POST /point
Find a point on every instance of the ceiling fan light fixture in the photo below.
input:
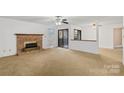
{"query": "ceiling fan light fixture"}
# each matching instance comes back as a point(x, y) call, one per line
point(58, 23)
point(60, 20)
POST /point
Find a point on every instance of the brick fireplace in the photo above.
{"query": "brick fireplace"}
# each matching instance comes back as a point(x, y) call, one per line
point(28, 42)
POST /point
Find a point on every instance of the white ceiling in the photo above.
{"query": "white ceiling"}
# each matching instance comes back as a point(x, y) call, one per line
point(79, 20)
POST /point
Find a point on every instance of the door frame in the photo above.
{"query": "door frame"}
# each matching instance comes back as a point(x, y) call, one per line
point(67, 37)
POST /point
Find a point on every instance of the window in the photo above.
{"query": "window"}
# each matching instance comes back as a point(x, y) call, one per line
point(77, 34)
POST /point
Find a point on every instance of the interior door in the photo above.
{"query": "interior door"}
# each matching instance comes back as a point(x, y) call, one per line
point(63, 38)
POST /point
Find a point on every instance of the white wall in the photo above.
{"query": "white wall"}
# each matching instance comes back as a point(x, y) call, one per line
point(106, 35)
point(89, 33)
point(52, 37)
point(86, 46)
point(8, 29)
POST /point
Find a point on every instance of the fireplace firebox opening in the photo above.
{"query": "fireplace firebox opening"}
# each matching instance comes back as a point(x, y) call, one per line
point(32, 44)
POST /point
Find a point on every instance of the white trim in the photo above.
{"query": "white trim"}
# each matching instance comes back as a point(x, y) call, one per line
point(118, 46)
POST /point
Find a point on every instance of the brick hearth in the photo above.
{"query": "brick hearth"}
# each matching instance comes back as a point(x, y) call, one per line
point(22, 38)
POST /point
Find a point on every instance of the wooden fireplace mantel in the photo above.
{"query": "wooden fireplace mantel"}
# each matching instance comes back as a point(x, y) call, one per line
point(29, 34)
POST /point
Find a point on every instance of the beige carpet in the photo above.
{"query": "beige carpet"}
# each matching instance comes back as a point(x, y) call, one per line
point(63, 62)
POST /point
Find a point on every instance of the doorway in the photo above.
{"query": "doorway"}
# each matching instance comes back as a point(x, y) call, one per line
point(117, 37)
point(63, 38)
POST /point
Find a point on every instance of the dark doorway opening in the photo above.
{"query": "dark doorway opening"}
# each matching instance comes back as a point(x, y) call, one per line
point(63, 35)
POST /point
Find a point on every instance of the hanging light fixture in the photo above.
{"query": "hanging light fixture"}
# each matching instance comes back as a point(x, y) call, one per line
point(60, 20)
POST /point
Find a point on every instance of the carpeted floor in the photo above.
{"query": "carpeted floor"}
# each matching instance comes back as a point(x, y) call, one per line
point(63, 62)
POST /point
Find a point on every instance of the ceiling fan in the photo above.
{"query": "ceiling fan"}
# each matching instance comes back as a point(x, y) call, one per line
point(61, 20)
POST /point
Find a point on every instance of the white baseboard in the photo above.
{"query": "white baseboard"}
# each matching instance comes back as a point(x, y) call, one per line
point(118, 46)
